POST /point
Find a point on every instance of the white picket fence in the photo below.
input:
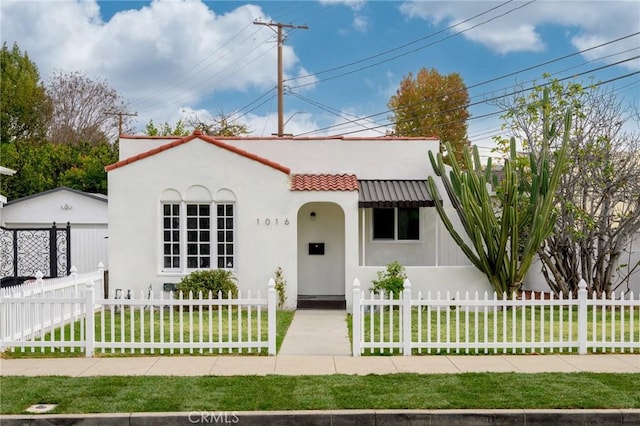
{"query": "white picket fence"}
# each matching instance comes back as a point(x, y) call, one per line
point(29, 310)
point(464, 323)
point(32, 320)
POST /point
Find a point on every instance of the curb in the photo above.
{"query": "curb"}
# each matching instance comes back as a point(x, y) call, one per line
point(341, 417)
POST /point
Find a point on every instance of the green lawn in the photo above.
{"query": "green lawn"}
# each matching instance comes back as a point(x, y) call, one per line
point(520, 325)
point(119, 327)
point(398, 391)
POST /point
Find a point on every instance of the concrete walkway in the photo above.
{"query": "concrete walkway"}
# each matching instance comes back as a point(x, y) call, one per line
point(317, 365)
point(317, 332)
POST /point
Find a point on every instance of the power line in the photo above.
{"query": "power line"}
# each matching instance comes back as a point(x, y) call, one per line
point(395, 49)
point(416, 49)
point(331, 110)
point(280, 26)
point(504, 76)
point(484, 100)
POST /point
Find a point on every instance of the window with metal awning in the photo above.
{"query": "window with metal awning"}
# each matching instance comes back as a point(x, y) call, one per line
point(393, 193)
point(395, 207)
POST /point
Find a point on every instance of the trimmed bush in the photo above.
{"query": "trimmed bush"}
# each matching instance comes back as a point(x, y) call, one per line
point(391, 280)
point(214, 280)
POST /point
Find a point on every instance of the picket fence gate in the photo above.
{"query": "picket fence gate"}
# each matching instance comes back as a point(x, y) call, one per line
point(72, 318)
point(464, 323)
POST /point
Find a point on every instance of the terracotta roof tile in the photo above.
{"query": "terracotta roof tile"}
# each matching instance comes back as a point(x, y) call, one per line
point(198, 135)
point(324, 182)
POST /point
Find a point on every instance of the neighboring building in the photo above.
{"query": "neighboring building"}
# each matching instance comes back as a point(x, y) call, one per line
point(325, 210)
point(86, 213)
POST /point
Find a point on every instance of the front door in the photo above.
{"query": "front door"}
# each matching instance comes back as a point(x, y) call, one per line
point(321, 255)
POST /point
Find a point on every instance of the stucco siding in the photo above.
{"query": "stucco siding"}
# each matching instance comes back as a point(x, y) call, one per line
point(368, 159)
point(262, 196)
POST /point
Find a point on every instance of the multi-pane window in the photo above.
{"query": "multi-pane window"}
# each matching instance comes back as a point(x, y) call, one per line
point(225, 230)
point(207, 240)
point(198, 236)
point(402, 223)
point(171, 236)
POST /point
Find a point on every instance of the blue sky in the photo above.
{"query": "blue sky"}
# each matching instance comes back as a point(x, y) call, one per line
point(171, 58)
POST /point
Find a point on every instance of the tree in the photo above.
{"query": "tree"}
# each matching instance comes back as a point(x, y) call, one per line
point(84, 110)
point(25, 108)
point(42, 166)
point(599, 195)
point(504, 231)
point(221, 125)
point(166, 129)
point(432, 105)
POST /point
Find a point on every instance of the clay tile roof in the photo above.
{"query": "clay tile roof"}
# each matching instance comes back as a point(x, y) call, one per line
point(324, 182)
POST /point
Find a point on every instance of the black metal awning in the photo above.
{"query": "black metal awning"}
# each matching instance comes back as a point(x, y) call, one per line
point(393, 193)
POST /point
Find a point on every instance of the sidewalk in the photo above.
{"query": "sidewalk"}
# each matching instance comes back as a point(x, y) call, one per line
point(318, 365)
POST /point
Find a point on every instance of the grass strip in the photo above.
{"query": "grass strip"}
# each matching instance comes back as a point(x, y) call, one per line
point(249, 393)
point(283, 321)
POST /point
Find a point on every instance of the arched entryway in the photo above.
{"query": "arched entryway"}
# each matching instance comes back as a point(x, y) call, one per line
point(321, 256)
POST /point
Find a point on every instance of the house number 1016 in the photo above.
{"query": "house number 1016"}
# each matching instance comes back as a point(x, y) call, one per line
point(268, 221)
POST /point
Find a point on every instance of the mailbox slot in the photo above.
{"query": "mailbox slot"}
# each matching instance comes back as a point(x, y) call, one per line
point(316, 248)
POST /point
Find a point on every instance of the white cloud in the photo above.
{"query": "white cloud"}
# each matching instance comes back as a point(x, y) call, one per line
point(352, 4)
point(360, 23)
point(590, 22)
point(165, 54)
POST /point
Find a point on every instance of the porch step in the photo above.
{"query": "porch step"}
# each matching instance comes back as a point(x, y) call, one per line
point(322, 302)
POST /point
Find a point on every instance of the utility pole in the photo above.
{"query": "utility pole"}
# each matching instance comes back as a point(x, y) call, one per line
point(120, 114)
point(280, 26)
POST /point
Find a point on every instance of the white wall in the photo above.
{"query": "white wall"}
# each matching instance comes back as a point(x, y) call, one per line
point(368, 159)
point(267, 212)
point(262, 193)
point(132, 145)
point(60, 206)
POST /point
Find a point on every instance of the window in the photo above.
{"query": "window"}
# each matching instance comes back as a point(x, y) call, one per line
point(198, 236)
point(402, 223)
point(202, 235)
point(171, 235)
point(225, 236)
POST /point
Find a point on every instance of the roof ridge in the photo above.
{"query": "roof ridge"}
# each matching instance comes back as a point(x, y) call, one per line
point(208, 139)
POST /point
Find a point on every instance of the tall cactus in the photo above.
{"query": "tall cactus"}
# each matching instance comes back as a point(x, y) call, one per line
point(504, 230)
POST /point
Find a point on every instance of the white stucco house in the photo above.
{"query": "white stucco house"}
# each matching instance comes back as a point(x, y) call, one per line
point(326, 210)
point(85, 213)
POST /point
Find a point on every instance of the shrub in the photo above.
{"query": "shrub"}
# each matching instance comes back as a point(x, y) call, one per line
point(391, 280)
point(214, 280)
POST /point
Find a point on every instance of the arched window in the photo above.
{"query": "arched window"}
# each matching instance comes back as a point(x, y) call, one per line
point(198, 232)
